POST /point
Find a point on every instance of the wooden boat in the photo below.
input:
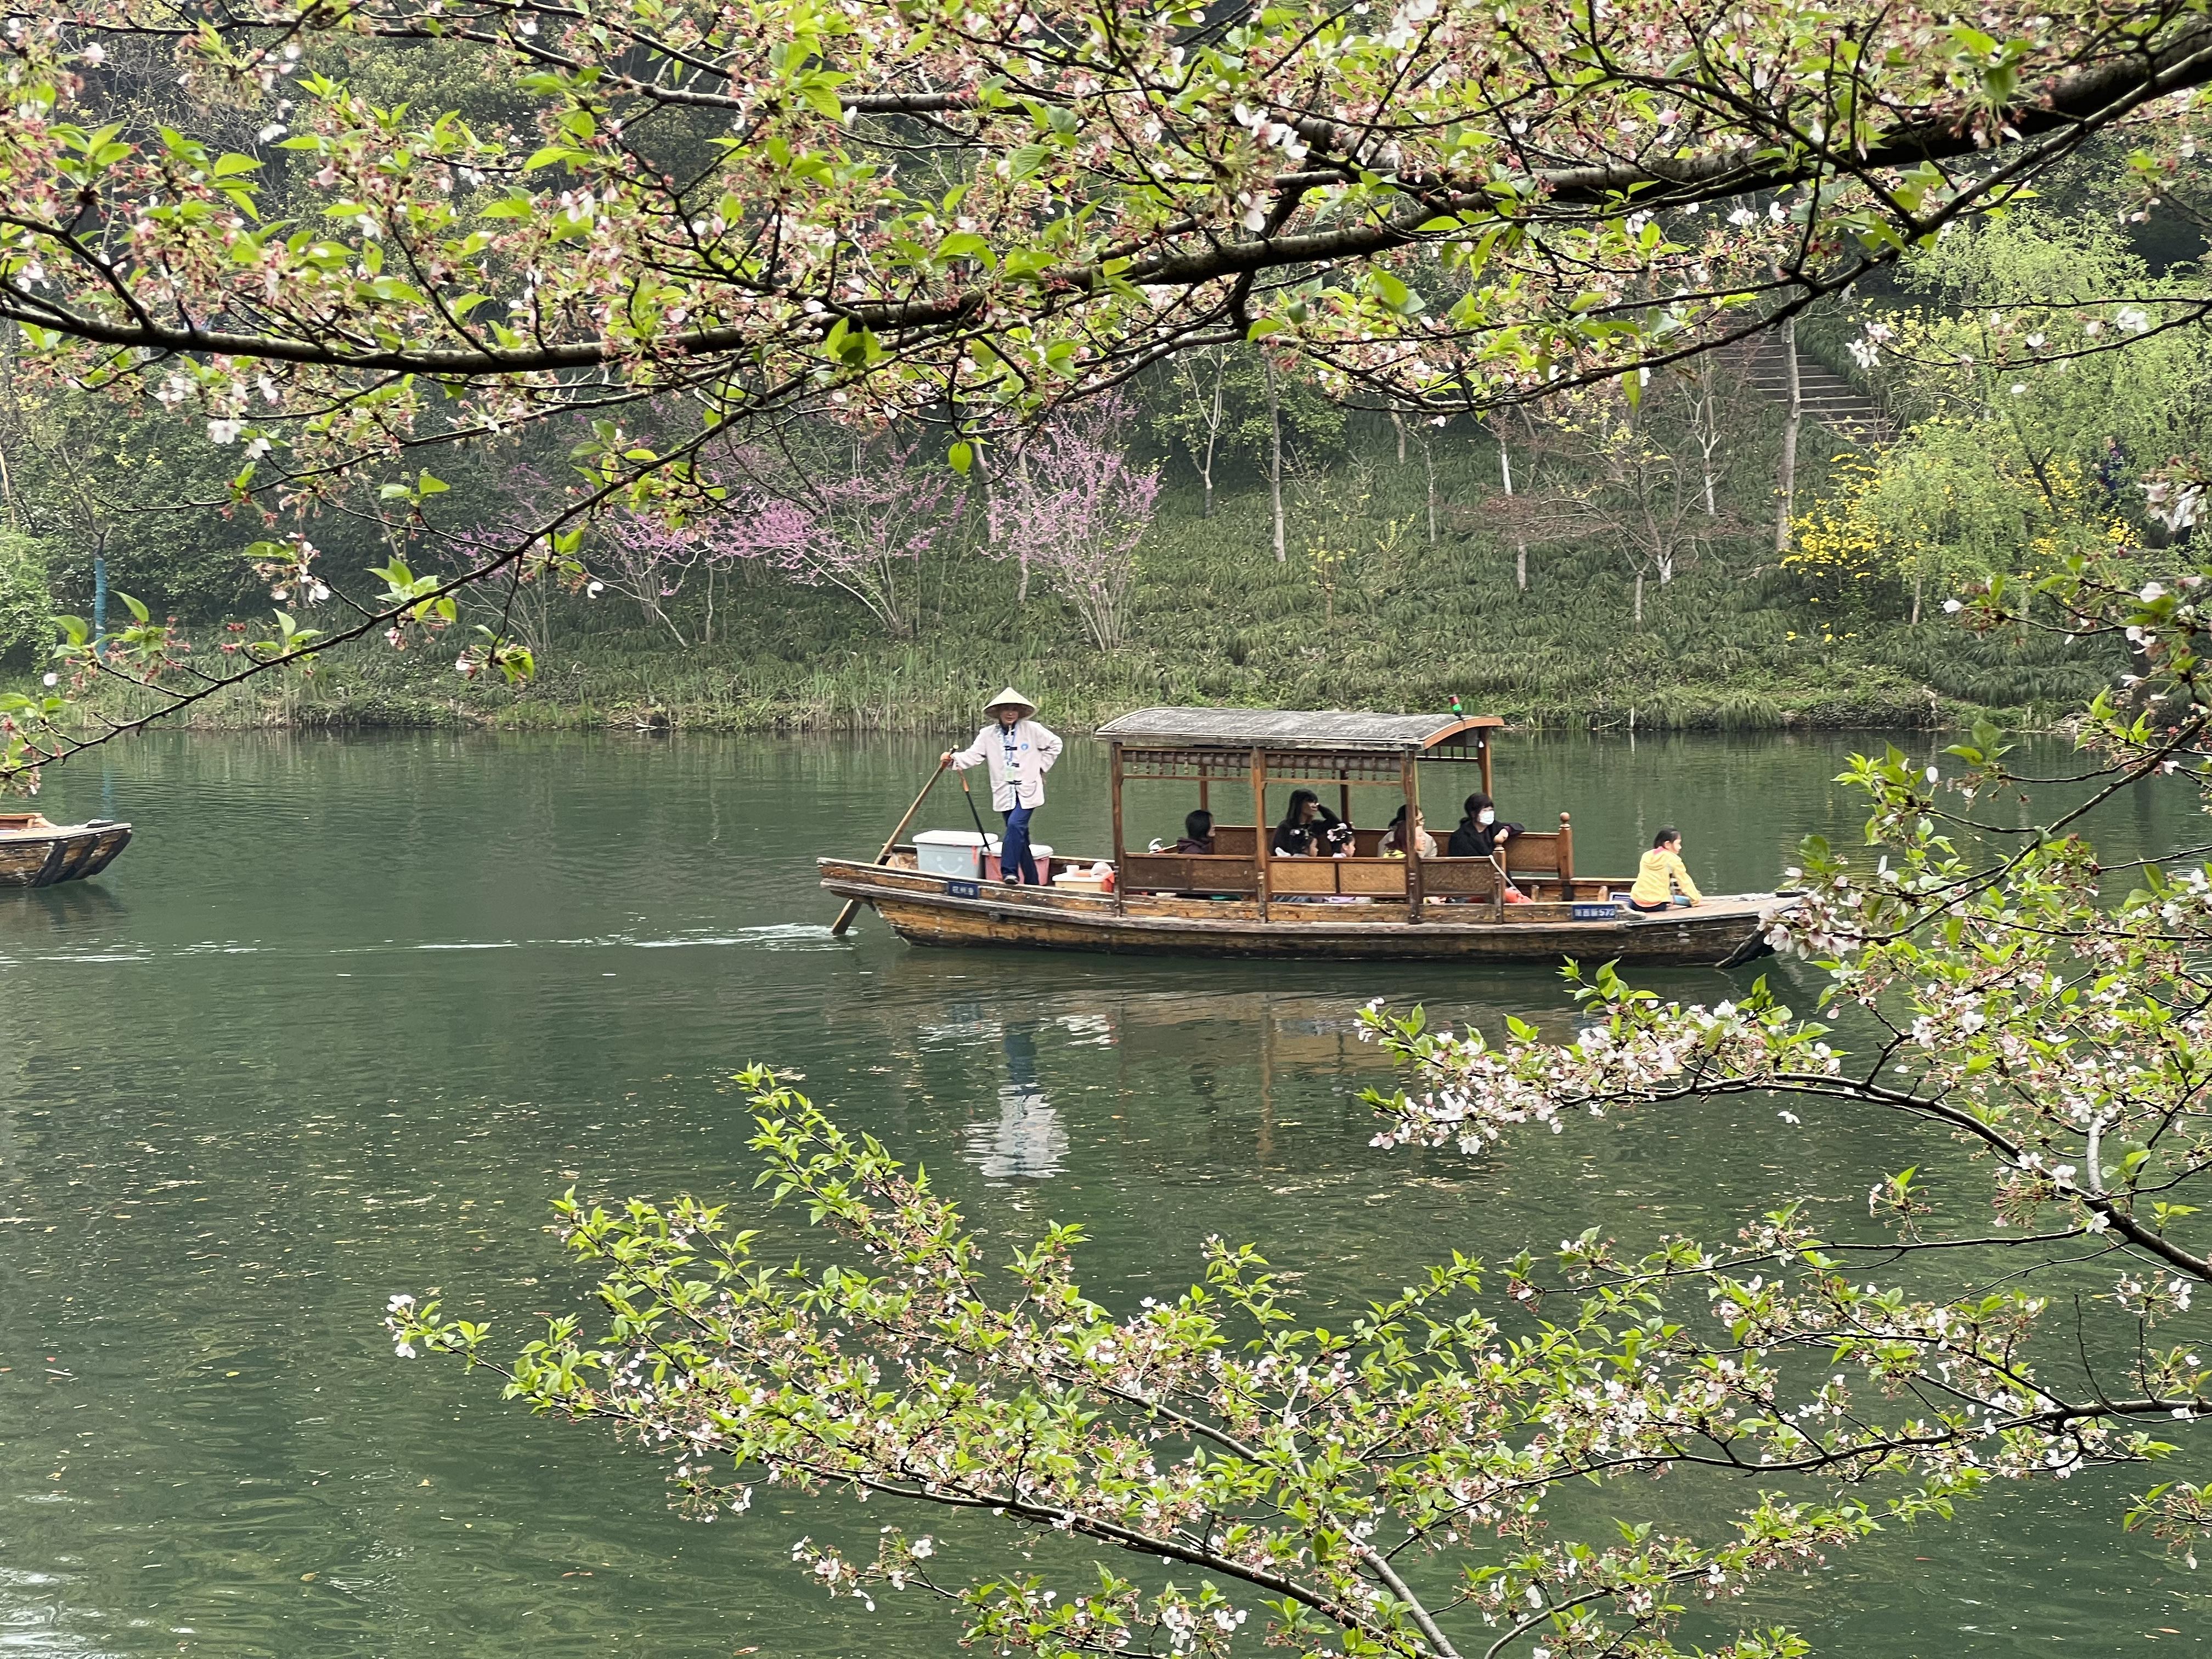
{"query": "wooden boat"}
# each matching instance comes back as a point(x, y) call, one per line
point(1246, 901)
point(1243, 901)
point(34, 853)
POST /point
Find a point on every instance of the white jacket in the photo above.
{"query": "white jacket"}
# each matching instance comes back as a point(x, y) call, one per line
point(1019, 761)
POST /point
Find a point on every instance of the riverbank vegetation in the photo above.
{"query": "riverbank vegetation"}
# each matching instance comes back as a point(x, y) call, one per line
point(1593, 565)
point(605, 481)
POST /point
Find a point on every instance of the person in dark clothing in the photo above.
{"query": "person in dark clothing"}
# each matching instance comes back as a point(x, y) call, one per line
point(1310, 830)
point(1197, 832)
point(2112, 468)
point(1479, 834)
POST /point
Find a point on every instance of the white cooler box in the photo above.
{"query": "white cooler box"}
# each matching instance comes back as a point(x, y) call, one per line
point(956, 853)
point(966, 856)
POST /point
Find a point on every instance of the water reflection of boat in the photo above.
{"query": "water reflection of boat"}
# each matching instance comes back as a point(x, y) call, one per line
point(1242, 900)
point(34, 853)
point(1028, 1141)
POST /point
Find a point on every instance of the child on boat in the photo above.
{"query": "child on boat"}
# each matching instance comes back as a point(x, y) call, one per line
point(1661, 880)
point(1308, 829)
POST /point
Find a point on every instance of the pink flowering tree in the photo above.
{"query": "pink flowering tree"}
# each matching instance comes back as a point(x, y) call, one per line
point(1072, 507)
point(857, 517)
point(649, 560)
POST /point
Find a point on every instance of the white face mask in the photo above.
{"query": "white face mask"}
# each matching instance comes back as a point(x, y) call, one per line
point(1486, 816)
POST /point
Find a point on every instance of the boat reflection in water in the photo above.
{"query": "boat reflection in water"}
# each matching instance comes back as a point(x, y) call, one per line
point(1028, 1142)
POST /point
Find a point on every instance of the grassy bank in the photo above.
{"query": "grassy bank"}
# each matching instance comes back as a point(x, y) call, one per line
point(1734, 642)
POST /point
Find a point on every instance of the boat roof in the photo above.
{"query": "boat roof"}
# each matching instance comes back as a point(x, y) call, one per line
point(1293, 728)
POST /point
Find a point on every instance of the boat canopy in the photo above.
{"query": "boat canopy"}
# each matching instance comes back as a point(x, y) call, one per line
point(1436, 737)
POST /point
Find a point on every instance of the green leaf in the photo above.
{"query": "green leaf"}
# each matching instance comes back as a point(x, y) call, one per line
point(962, 455)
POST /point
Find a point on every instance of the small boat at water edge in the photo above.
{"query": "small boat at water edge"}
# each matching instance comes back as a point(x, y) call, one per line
point(1528, 904)
point(35, 853)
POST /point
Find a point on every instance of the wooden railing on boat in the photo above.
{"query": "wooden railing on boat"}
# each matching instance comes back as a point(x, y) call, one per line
point(1540, 864)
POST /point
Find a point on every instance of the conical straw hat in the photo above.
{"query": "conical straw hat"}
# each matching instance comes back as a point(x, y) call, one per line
point(1010, 696)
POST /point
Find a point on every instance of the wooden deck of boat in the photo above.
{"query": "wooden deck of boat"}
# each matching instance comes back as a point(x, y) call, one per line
point(930, 909)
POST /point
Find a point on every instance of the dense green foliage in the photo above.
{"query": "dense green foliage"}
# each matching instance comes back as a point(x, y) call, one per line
point(24, 603)
point(2020, 440)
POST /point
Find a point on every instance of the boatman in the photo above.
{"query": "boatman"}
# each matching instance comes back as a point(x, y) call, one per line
point(1019, 752)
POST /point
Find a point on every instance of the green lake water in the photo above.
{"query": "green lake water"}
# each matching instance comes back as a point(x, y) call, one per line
point(348, 1010)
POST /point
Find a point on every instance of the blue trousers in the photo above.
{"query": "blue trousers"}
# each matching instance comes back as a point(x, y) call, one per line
point(1014, 850)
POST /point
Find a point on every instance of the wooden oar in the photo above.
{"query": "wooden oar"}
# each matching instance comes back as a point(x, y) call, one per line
point(852, 906)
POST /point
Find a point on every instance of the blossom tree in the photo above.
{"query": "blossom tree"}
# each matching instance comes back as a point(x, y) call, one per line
point(1075, 509)
point(2049, 1015)
point(736, 212)
point(857, 517)
point(1225, 1477)
point(648, 559)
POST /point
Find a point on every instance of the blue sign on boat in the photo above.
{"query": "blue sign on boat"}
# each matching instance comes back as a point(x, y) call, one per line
point(963, 889)
point(1597, 913)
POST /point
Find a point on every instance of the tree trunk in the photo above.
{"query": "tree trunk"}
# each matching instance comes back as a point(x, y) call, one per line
point(1639, 599)
point(1918, 577)
point(1275, 457)
point(8, 378)
point(1216, 418)
point(1521, 547)
point(1429, 465)
point(1788, 480)
point(1398, 421)
point(1021, 590)
point(1708, 430)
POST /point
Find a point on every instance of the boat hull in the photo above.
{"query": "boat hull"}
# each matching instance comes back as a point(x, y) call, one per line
point(45, 854)
point(926, 909)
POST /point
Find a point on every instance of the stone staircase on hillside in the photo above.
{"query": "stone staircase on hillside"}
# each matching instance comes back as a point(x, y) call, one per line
point(1824, 395)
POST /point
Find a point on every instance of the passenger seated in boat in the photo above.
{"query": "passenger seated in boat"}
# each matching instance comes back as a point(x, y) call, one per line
point(1197, 832)
point(1661, 880)
point(1310, 830)
point(1479, 834)
point(1393, 844)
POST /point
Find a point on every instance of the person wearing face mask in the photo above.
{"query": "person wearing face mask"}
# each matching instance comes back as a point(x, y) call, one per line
point(1479, 834)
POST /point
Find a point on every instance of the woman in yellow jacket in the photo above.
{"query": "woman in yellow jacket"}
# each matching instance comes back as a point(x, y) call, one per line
point(1661, 880)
